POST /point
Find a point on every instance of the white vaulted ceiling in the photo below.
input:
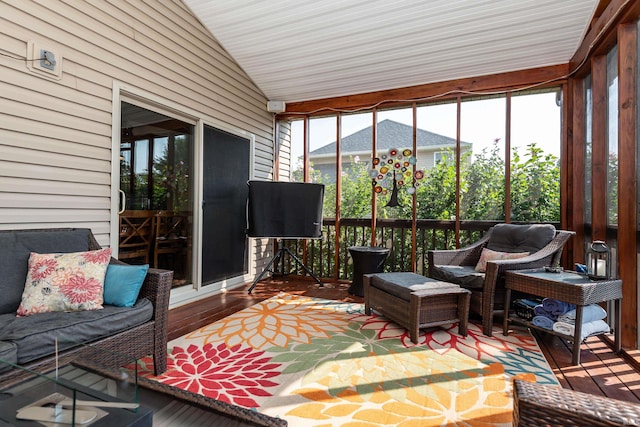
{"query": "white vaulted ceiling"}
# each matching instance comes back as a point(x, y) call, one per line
point(298, 50)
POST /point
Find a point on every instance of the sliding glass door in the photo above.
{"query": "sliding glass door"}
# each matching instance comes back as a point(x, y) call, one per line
point(156, 181)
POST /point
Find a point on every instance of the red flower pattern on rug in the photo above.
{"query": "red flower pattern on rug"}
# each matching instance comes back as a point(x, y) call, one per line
point(444, 339)
point(230, 374)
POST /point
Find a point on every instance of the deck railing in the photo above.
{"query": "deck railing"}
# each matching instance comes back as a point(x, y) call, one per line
point(394, 234)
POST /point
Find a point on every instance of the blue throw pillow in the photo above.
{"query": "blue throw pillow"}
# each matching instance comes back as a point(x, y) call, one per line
point(122, 284)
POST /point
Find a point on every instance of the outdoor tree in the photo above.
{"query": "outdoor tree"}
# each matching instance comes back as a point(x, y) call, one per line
point(482, 186)
point(535, 186)
point(171, 177)
point(535, 189)
point(436, 195)
point(356, 191)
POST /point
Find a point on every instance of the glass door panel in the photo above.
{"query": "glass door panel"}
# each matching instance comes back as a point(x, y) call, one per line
point(156, 164)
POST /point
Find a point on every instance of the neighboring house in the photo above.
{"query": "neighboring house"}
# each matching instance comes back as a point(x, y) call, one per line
point(61, 129)
point(391, 134)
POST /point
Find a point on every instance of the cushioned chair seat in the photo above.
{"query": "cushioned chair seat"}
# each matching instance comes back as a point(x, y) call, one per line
point(34, 336)
point(463, 275)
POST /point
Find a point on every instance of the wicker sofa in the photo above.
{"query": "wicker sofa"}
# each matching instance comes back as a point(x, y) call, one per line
point(29, 341)
point(542, 241)
point(545, 405)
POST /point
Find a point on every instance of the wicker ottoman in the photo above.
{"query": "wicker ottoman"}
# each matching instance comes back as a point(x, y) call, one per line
point(415, 302)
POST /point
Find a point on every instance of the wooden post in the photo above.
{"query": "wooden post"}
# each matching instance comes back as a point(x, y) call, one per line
point(627, 179)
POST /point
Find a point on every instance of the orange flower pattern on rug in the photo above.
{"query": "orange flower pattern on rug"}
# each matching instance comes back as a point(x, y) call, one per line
point(275, 322)
point(323, 363)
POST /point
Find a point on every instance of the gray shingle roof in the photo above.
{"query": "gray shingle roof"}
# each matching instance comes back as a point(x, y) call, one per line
point(391, 134)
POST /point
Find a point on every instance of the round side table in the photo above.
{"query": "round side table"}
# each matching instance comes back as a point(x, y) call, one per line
point(366, 259)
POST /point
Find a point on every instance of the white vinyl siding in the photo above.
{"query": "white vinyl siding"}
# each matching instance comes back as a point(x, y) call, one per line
point(56, 134)
point(284, 151)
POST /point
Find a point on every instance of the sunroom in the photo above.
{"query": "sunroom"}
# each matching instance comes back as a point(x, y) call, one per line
point(143, 121)
point(556, 117)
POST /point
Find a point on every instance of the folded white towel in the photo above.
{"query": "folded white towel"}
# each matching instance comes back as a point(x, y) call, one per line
point(589, 314)
point(589, 328)
point(564, 328)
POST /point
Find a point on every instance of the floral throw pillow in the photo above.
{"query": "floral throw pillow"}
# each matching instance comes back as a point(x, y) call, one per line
point(64, 282)
point(489, 255)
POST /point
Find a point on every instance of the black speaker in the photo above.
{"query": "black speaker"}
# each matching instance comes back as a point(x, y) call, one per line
point(285, 210)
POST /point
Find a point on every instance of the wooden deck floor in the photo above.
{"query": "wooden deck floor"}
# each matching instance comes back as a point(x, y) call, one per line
point(601, 372)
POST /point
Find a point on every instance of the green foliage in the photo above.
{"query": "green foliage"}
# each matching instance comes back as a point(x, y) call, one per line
point(535, 189)
point(612, 189)
point(356, 191)
point(436, 194)
point(612, 186)
point(171, 180)
point(482, 186)
point(535, 186)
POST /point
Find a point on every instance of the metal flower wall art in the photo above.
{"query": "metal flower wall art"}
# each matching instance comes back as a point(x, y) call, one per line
point(394, 170)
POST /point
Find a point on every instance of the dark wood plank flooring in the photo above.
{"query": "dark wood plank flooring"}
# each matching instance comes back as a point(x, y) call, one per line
point(601, 372)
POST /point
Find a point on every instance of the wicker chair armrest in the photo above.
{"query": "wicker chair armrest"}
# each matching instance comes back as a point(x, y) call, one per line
point(469, 255)
point(547, 256)
point(538, 404)
point(157, 288)
point(531, 261)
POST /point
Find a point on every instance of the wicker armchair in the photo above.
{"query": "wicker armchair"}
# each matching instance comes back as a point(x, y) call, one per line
point(487, 289)
point(544, 405)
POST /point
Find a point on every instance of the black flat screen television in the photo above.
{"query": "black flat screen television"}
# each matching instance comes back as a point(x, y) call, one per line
point(291, 210)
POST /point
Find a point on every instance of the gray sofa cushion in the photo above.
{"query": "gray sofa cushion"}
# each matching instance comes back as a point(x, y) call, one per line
point(520, 238)
point(8, 353)
point(463, 275)
point(15, 247)
point(35, 335)
point(402, 284)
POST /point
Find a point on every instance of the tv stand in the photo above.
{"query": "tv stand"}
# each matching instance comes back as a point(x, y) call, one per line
point(279, 255)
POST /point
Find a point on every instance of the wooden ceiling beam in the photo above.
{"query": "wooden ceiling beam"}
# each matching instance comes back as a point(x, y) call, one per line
point(516, 80)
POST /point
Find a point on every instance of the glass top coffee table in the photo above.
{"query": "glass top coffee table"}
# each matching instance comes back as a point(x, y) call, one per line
point(82, 391)
point(564, 286)
point(88, 382)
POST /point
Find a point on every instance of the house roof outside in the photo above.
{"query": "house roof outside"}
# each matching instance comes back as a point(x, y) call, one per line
point(391, 134)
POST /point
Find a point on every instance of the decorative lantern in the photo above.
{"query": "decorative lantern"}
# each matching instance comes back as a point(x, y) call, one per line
point(599, 261)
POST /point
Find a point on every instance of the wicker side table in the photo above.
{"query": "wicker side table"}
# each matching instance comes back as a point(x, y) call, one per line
point(544, 405)
point(569, 287)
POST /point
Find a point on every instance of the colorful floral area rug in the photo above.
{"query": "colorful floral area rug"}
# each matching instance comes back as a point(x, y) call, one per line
point(317, 362)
